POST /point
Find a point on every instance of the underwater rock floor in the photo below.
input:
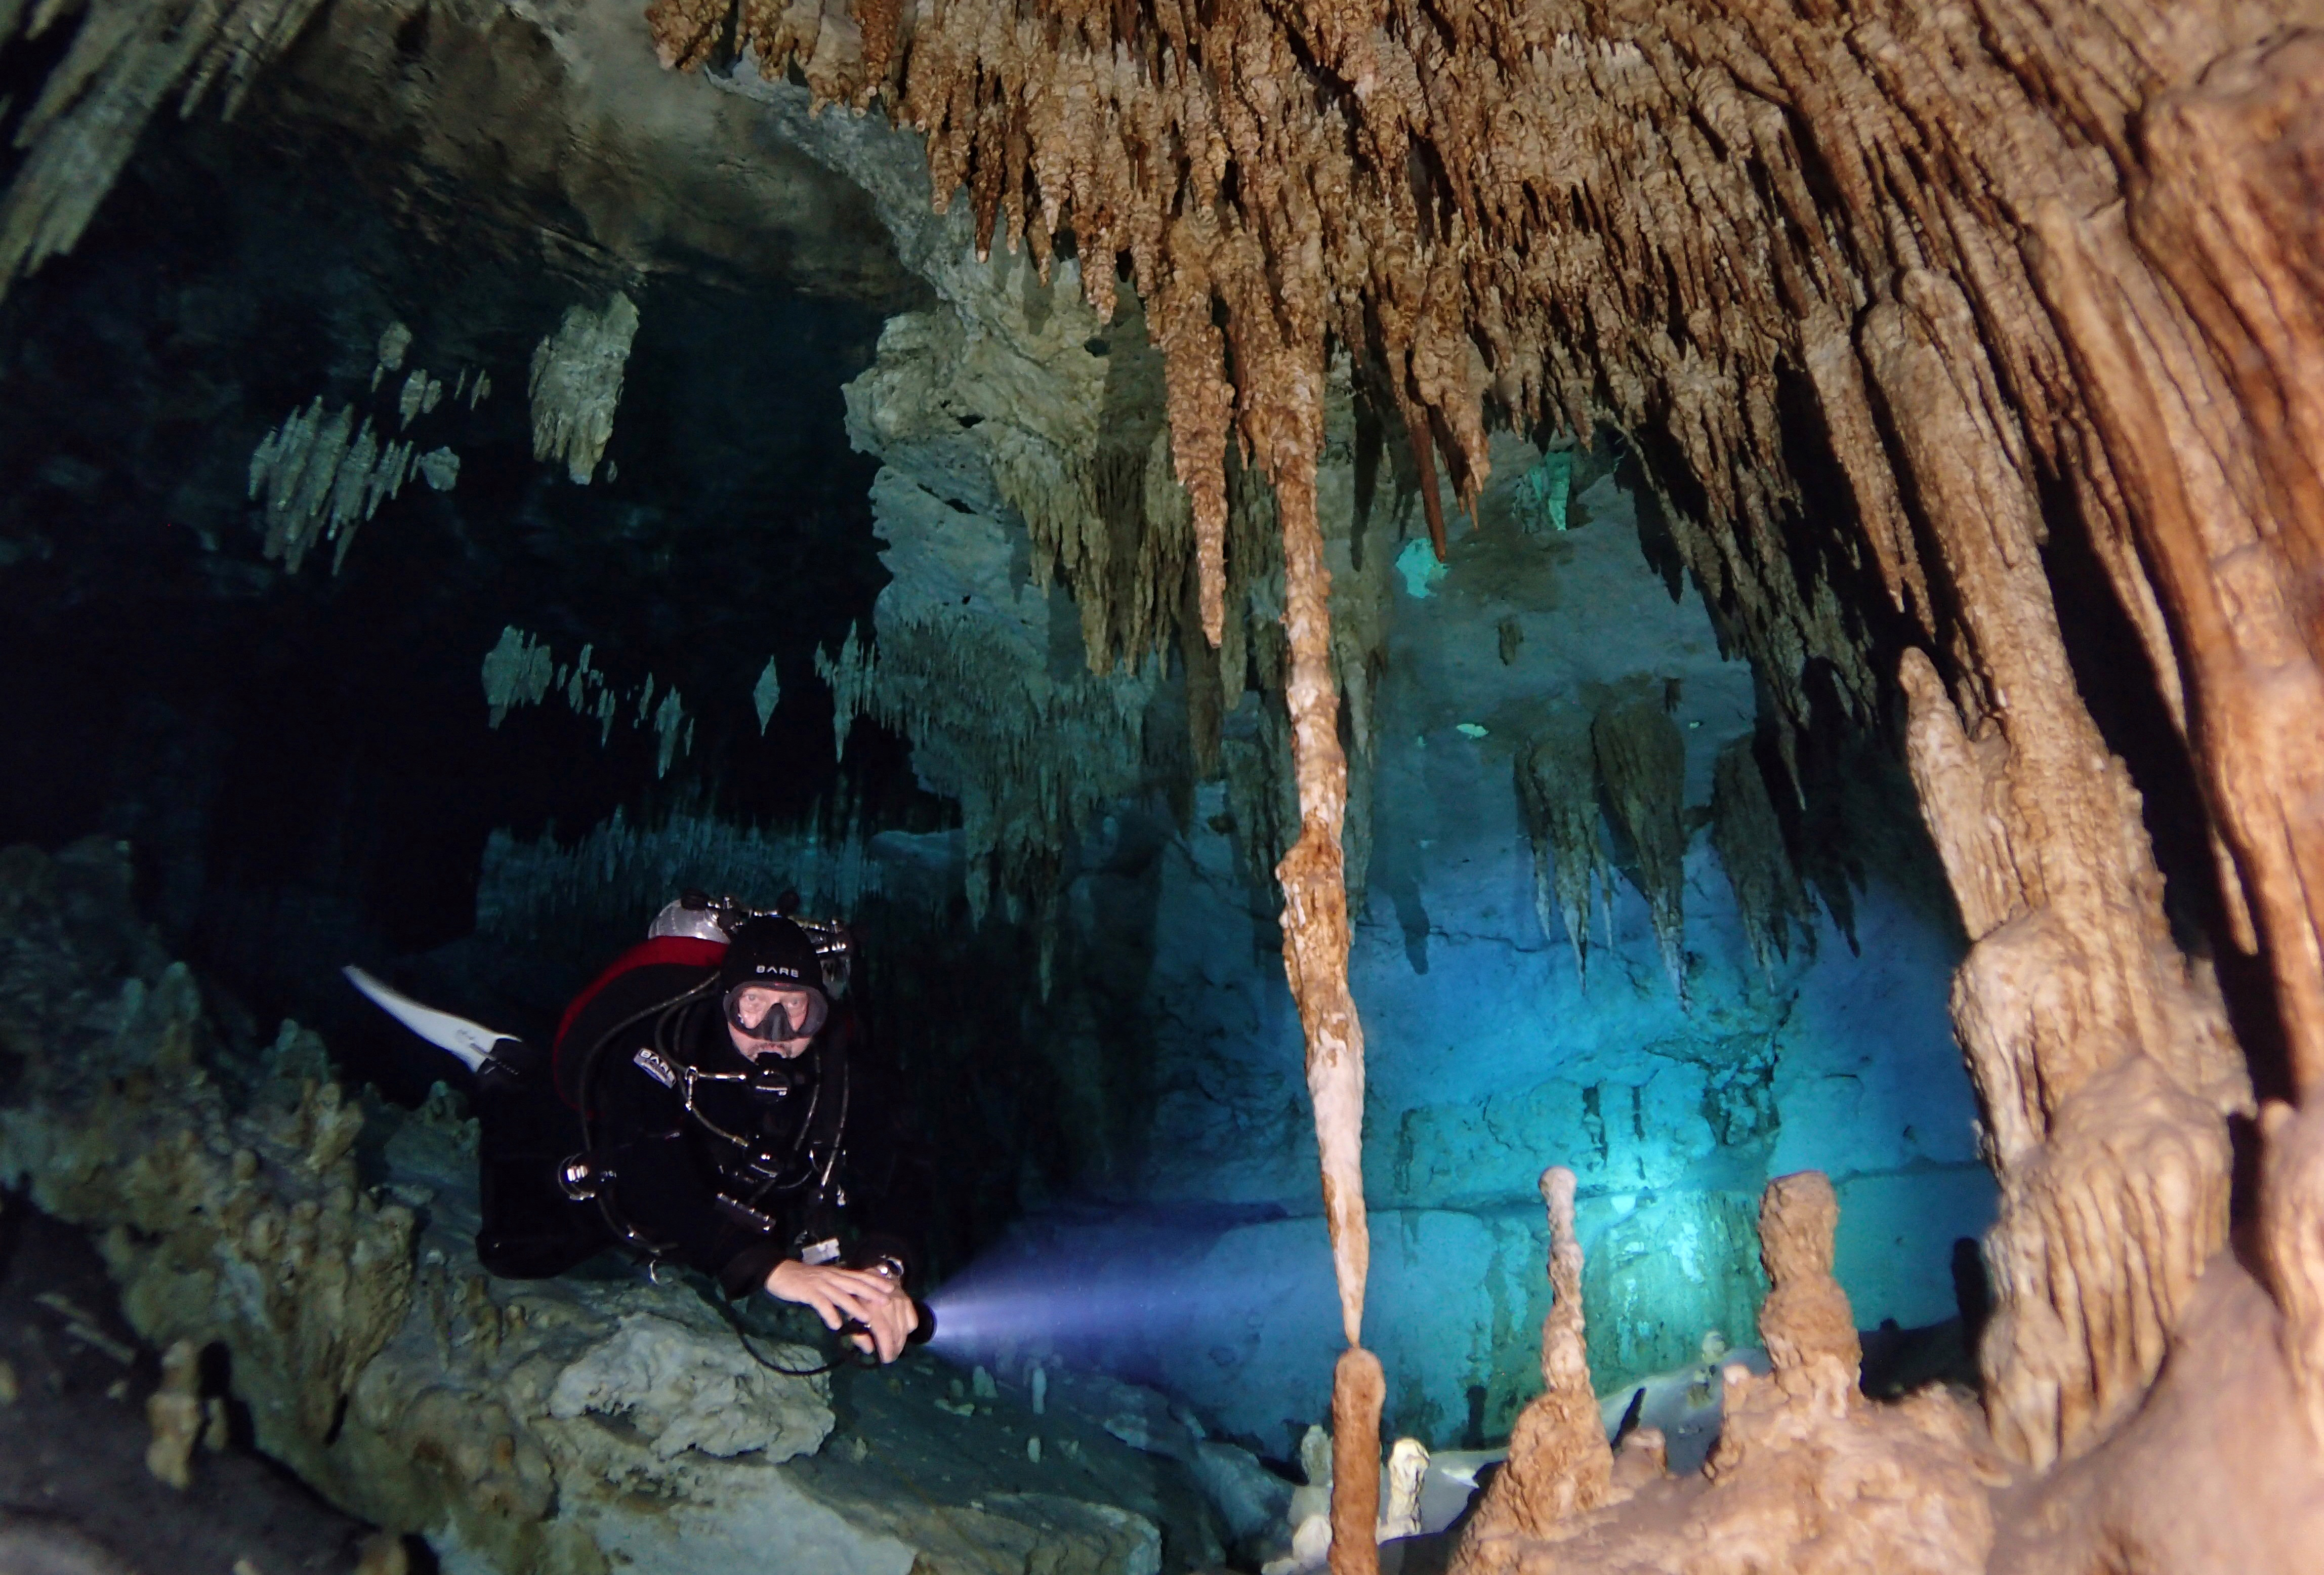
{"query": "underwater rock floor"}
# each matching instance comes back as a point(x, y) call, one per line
point(75, 1495)
point(77, 1498)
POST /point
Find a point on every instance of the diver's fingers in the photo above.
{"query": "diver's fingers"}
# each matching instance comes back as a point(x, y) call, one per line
point(864, 1342)
point(897, 1319)
point(860, 1303)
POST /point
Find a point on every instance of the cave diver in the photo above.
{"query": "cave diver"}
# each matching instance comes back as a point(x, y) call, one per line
point(700, 1104)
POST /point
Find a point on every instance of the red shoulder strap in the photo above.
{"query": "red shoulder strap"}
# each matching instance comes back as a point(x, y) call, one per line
point(684, 951)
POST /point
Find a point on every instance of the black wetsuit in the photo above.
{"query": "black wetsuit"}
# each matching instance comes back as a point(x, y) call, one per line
point(773, 1160)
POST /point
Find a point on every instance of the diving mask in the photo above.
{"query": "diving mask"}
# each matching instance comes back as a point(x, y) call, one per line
point(776, 1015)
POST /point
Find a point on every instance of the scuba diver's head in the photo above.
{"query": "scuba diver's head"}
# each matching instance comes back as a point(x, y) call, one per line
point(773, 985)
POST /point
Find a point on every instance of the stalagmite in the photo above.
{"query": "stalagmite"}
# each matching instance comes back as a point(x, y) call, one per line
point(174, 1413)
point(1805, 1322)
point(1408, 1467)
point(1559, 1463)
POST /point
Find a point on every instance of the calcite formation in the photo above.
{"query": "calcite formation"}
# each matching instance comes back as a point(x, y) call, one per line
point(1557, 794)
point(521, 671)
point(1749, 841)
point(321, 476)
point(1559, 1463)
point(1641, 763)
point(576, 384)
point(126, 59)
point(1808, 1475)
point(2216, 1469)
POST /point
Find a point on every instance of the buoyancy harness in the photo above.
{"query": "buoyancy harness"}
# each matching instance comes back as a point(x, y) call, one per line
point(789, 1164)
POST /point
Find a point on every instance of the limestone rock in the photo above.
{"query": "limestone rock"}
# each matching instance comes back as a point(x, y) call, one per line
point(577, 384)
point(1559, 1463)
point(1250, 1498)
point(683, 1391)
point(1807, 1477)
point(174, 1412)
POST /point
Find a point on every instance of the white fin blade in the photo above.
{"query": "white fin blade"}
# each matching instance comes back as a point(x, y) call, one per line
point(471, 1042)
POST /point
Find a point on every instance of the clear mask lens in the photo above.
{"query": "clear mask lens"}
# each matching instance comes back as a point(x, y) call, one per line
point(774, 1015)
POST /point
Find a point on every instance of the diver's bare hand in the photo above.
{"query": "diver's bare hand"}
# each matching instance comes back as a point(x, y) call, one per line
point(837, 1295)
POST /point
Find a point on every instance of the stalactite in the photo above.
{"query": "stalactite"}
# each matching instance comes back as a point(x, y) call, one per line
point(1641, 758)
point(519, 670)
point(126, 59)
point(1315, 960)
point(322, 477)
point(1031, 757)
point(766, 695)
point(577, 384)
point(609, 880)
point(1749, 841)
point(1557, 798)
point(851, 673)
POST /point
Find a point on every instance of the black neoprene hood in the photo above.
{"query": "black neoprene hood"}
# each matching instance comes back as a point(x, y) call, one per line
point(770, 951)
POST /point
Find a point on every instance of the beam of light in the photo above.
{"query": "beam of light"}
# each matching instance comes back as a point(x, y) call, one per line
point(1121, 1291)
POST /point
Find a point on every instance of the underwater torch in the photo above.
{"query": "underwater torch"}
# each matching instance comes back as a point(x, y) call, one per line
point(888, 1267)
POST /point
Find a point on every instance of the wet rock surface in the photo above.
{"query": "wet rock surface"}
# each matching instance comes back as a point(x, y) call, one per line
point(75, 1495)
